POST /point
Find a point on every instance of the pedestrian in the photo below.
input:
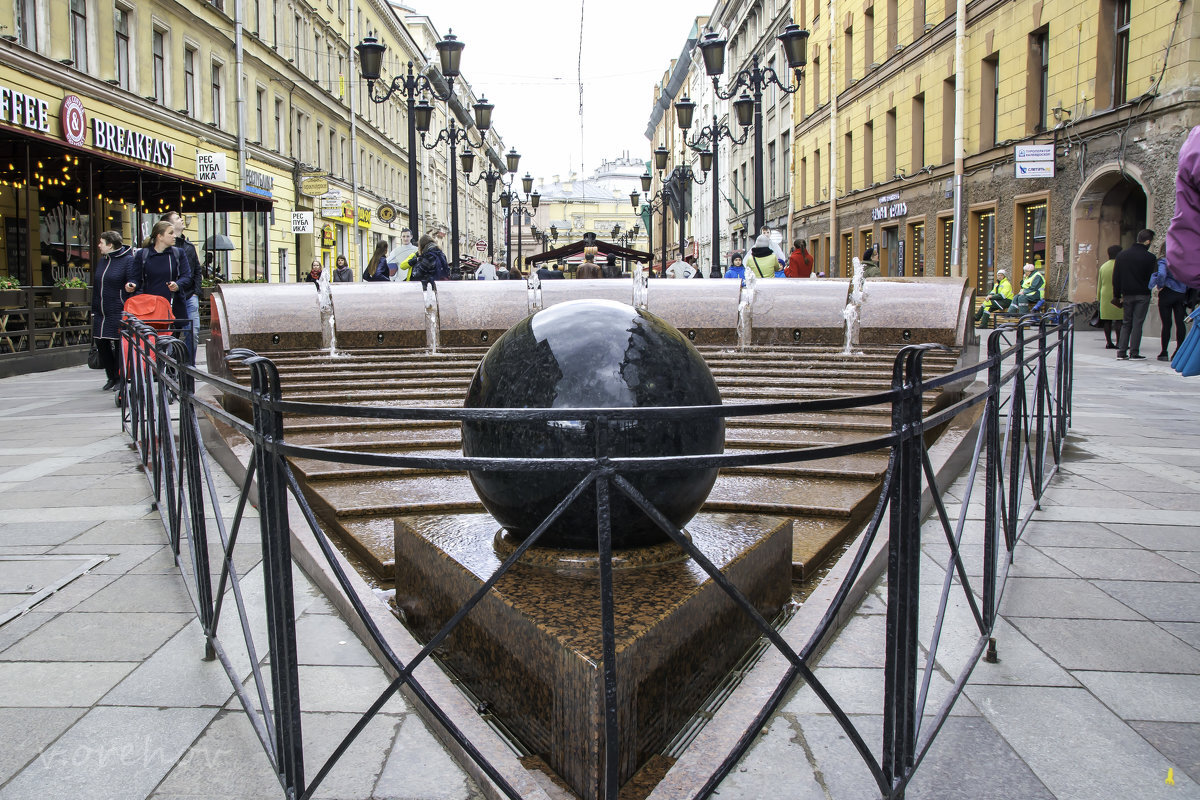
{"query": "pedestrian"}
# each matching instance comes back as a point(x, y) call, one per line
point(1171, 296)
point(1110, 314)
point(191, 301)
point(486, 272)
point(341, 271)
point(998, 299)
point(762, 262)
point(679, 268)
point(776, 250)
point(160, 268)
point(1132, 269)
point(589, 269)
point(1183, 236)
point(400, 253)
point(108, 299)
point(1033, 289)
point(377, 265)
point(429, 265)
point(611, 269)
point(800, 261)
point(736, 268)
point(314, 272)
point(869, 262)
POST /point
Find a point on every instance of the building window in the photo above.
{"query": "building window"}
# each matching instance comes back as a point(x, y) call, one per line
point(948, 112)
point(1121, 60)
point(218, 96)
point(1037, 88)
point(26, 23)
point(868, 42)
point(818, 184)
point(918, 19)
point(916, 249)
point(847, 253)
point(316, 61)
point(889, 133)
point(848, 156)
point(1031, 217)
point(816, 82)
point(320, 136)
point(121, 47)
point(189, 81)
point(260, 102)
point(772, 166)
point(158, 66)
point(984, 250)
point(989, 108)
point(278, 125)
point(946, 225)
point(79, 34)
point(296, 41)
point(918, 134)
point(893, 24)
point(785, 166)
point(866, 238)
point(848, 56)
point(868, 154)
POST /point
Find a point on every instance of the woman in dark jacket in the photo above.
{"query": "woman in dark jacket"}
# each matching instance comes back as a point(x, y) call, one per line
point(161, 268)
point(108, 298)
point(377, 268)
point(342, 272)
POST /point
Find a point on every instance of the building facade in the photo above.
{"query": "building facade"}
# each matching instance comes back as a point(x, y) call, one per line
point(1071, 114)
point(238, 122)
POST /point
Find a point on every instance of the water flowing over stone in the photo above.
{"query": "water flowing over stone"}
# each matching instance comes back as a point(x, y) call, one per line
point(641, 287)
point(853, 310)
point(432, 330)
point(328, 325)
point(745, 323)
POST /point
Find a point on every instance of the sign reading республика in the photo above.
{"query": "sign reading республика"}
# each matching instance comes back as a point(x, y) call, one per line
point(210, 167)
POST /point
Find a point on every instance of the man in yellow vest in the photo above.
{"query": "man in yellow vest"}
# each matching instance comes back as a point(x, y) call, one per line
point(1033, 288)
point(998, 299)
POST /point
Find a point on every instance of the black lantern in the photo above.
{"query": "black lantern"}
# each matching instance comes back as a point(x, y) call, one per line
point(370, 58)
point(450, 53)
point(468, 161)
point(684, 110)
point(534, 199)
point(423, 115)
point(616, 230)
point(795, 45)
point(554, 232)
point(661, 153)
point(635, 199)
point(513, 158)
point(646, 181)
point(712, 47)
point(483, 114)
point(527, 183)
point(634, 232)
point(505, 199)
point(705, 161)
point(743, 107)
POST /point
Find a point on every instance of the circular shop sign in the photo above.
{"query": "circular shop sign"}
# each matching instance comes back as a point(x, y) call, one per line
point(386, 213)
point(74, 120)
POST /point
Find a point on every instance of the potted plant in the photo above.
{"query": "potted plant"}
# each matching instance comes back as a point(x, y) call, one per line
point(71, 290)
point(206, 287)
point(10, 291)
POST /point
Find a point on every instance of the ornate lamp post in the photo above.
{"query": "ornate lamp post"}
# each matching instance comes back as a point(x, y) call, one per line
point(706, 142)
point(673, 187)
point(492, 176)
point(748, 107)
point(512, 204)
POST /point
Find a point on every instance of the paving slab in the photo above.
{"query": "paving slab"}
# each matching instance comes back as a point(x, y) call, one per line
point(1146, 695)
point(1179, 742)
point(54, 684)
point(1156, 600)
point(28, 731)
point(1116, 645)
point(99, 636)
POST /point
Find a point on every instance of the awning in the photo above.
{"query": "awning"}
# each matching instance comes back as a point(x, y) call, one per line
point(119, 179)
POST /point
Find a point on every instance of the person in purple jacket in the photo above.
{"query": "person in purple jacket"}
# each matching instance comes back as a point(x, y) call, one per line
point(1183, 237)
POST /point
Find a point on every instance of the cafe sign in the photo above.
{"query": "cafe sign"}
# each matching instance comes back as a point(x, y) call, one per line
point(890, 207)
point(132, 144)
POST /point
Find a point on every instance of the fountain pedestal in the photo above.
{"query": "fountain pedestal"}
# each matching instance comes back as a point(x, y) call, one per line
point(531, 649)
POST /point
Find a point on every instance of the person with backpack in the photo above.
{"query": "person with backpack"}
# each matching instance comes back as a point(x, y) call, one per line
point(429, 265)
point(160, 268)
point(762, 262)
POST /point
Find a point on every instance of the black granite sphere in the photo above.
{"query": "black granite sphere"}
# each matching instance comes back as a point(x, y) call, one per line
point(591, 354)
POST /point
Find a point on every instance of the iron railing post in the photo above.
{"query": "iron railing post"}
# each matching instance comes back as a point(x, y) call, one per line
point(193, 478)
point(1041, 388)
point(994, 458)
point(1016, 440)
point(277, 574)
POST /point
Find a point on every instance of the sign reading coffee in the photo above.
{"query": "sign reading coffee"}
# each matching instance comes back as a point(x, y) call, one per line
point(18, 108)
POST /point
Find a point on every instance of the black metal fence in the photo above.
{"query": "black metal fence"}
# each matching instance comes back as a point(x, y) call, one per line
point(1026, 410)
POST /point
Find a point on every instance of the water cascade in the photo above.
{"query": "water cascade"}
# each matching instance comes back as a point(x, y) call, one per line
point(641, 286)
point(745, 305)
point(853, 310)
point(328, 327)
point(432, 331)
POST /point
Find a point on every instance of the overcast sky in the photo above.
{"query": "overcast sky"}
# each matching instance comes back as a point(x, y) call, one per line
point(525, 56)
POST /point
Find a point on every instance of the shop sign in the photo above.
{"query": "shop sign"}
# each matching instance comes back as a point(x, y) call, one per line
point(24, 110)
point(386, 213)
point(302, 222)
point(890, 207)
point(259, 183)
point(131, 144)
point(332, 200)
point(326, 235)
point(210, 167)
point(73, 119)
point(314, 186)
point(481, 245)
point(1035, 161)
point(364, 217)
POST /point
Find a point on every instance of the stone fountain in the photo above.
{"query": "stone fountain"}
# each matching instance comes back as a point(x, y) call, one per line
point(531, 650)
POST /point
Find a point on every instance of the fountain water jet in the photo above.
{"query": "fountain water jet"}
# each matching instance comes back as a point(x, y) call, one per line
point(853, 310)
point(745, 321)
point(328, 325)
point(432, 329)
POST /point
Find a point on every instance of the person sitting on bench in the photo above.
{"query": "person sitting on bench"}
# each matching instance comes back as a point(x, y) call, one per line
point(1033, 288)
point(998, 299)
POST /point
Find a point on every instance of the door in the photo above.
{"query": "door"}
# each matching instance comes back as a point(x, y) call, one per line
point(889, 253)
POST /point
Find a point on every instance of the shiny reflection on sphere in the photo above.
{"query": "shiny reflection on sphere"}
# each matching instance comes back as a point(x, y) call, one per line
point(591, 354)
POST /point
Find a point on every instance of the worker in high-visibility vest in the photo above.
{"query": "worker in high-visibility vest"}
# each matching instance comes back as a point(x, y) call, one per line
point(1033, 288)
point(998, 299)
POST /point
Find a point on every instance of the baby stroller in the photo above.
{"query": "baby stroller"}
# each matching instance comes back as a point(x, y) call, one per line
point(138, 353)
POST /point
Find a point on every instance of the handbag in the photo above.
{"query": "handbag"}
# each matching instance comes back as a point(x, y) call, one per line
point(94, 357)
point(1095, 320)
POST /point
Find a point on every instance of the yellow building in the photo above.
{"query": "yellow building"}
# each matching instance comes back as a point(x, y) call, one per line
point(239, 122)
point(1072, 117)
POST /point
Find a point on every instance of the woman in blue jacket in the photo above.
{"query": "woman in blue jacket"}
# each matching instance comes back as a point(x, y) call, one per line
point(108, 298)
point(161, 268)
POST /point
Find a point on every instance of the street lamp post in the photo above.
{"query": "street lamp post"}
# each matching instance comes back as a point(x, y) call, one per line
point(706, 142)
point(673, 186)
point(513, 204)
point(420, 115)
point(752, 81)
point(492, 176)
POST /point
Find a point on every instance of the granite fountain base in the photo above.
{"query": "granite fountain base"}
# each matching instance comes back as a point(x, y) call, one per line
point(531, 649)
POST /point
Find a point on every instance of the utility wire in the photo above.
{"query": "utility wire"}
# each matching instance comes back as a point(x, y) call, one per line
point(579, 78)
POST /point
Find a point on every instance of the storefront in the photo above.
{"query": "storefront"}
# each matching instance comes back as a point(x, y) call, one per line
point(72, 167)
